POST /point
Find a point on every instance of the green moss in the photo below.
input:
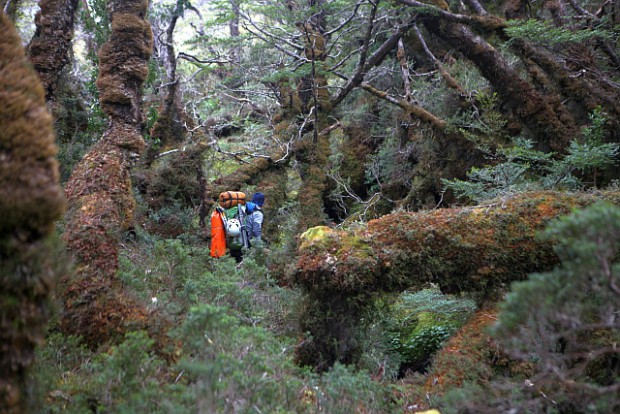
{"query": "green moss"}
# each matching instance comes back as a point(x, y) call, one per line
point(315, 236)
point(422, 321)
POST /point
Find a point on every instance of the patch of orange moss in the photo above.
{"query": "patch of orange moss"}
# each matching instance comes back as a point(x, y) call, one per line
point(470, 347)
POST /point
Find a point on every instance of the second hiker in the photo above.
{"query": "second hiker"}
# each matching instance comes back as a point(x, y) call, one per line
point(251, 219)
point(255, 218)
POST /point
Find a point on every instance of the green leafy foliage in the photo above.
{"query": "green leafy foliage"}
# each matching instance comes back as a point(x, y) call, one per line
point(344, 390)
point(231, 351)
point(575, 306)
point(125, 379)
point(421, 321)
point(545, 32)
point(484, 124)
point(387, 165)
point(520, 167)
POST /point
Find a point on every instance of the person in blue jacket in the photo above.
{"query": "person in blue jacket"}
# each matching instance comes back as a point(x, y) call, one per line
point(254, 221)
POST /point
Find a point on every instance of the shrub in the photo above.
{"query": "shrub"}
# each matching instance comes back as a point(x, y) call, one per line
point(575, 307)
point(520, 167)
point(422, 321)
point(125, 380)
point(344, 390)
point(231, 367)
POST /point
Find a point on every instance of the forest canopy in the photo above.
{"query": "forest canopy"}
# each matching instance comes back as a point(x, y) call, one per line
point(441, 202)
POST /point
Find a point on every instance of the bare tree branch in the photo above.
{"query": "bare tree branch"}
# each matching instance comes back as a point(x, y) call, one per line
point(191, 58)
point(373, 60)
point(487, 22)
point(414, 110)
point(404, 68)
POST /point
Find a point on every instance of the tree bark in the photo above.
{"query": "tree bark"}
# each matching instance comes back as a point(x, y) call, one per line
point(545, 117)
point(49, 47)
point(476, 249)
point(169, 129)
point(30, 201)
point(99, 191)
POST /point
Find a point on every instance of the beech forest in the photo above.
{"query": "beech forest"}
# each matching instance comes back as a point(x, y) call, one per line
point(309, 206)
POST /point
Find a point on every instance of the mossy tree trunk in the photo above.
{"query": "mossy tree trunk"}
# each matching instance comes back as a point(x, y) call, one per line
point(178, 178)
point(543, 114)
point(49, 48)
point(312, 151)
point(30, 201)
point(480, 250)
point(99, 191)
point(172, 124)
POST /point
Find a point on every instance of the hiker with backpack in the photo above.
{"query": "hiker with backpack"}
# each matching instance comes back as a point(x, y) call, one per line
point(235, 223)
point(254, 221)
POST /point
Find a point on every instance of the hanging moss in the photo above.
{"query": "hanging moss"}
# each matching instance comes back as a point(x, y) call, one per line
point(30, 201)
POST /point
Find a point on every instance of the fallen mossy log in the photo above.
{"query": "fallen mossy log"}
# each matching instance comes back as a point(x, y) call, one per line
point(478, 249)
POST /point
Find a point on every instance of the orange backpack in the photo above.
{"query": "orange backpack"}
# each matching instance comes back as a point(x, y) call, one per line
point(218, 234)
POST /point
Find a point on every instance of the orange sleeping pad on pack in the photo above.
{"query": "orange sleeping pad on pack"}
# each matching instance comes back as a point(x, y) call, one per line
point(230, 199)
point(218, 235)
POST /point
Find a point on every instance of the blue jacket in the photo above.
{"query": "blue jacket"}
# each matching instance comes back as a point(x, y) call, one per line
point(254, 223)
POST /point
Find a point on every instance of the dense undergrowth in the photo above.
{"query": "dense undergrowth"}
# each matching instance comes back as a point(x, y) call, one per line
point(231, 346)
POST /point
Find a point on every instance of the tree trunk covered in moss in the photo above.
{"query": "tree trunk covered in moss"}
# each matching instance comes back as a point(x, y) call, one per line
point(544, 115)
point(587, 90)
point(30, 201)
point(99, 191)
point(477, 249)
point(50, 45)
point(313, 165)
point(172, 124)
point(178, 178)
